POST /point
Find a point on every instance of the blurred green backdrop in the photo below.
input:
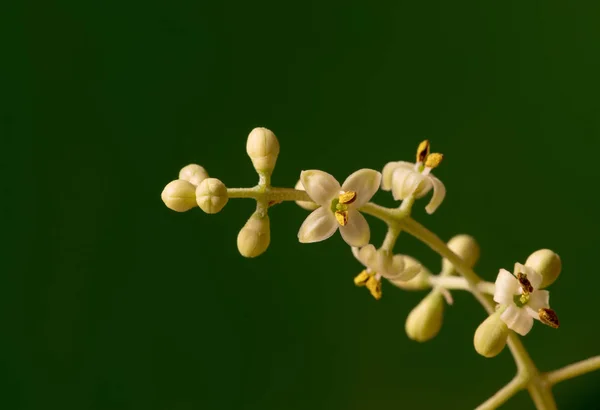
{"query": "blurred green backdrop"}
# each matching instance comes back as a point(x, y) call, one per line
point(109, 300)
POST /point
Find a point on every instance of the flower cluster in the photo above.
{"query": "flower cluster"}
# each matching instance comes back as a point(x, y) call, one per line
point(514, 301)
point(520, 296)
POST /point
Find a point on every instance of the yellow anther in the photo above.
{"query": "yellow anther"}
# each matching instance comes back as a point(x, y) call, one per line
point(342, 217)
point(374, 287)
point(434, 160)
point(347, 197)
point(362, 278)
point(423, 151)
point(525, 284)
point(548, 317)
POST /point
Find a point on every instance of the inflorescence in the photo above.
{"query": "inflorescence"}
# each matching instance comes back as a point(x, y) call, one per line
point(513, 302)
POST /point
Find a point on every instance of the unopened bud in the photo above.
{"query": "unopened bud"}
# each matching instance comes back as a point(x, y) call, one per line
point(255, 236)
point(193, 173)
point(419, 282)
point(179, 195)
point(546, 263)
point(309, 206)
point(211, 195)
point(466, 247)
point(425, 320)
point(490, 337)
point(262, 148)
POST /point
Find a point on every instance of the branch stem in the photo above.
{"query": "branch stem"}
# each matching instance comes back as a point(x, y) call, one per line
point(573, 370)
point(502, 396)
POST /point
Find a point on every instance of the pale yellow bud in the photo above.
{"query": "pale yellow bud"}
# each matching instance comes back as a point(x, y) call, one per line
point(425, 320)
point(490, 337)
point(309, 206)
point(179, 195)
point(464, 246)
point(255, 236)
point(546, 263)
point(262, 148)
point(193, 173)
point(211, 195)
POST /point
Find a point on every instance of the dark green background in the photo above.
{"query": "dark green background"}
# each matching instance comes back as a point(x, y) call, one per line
point(109, 300)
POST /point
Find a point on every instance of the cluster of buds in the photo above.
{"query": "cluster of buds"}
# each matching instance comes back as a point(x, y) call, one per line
point(195, 188)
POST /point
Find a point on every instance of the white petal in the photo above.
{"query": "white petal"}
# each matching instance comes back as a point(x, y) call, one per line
point(366, 254)
point(320, 186)
point(517, 320)
point(532, 276)
point(506, 287)
point(365, 182)
point(318, 226)
point(388, 171)
point(406, 182)
point(408, 273)
point(383, 264)
point(355, 252)
point(309, 206)
point(539, 299)
point(439, 193)
point(356, 232)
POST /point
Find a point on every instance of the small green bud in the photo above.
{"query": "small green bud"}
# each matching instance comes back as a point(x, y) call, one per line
point(419, 282)
point(490, 337)
point(464, 246)
point(179, 195)
point(211, 195)
point(546, 263)
point(262, 148)
point(193, 173)
point(255, 236)
point(309, 206)
point(425, 320)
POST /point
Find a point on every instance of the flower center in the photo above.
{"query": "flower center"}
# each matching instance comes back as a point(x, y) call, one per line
point(521, 300)
point(339, 206)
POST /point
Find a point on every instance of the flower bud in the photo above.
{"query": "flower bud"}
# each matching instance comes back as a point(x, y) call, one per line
point(309, 206)
point(425, 320)
point(211, 195)
point(464, 246)
point(255, 236)
point(262, 148)
point(546, 263)
point(193, 173)
point(490, 337)
point(419, 282)
point(179, 195)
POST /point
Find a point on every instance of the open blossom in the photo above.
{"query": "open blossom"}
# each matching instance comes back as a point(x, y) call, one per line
point(406, 179)
point(523, 300)
point(338, 206)
point(378, 264)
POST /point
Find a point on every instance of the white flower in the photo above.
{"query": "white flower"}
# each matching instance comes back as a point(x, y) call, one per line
point(338, 206)
point(406, 179)
point(378, 264)
point(523, 300)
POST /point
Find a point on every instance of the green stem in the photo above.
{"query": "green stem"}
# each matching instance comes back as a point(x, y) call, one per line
point(269, 194)
point(573, 370)
point(455, 282)
point(502, 396)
